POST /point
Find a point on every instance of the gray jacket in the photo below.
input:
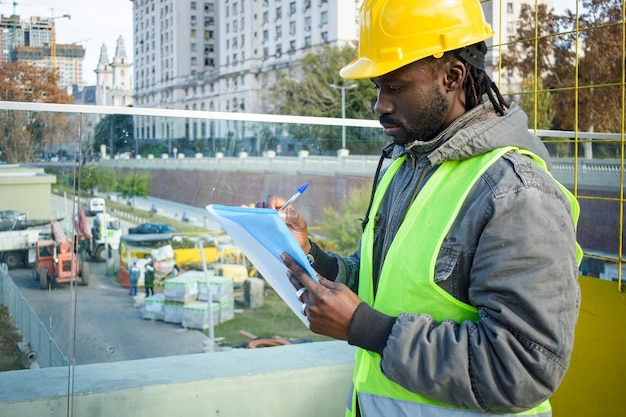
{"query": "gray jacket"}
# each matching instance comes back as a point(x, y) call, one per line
point(510, 253)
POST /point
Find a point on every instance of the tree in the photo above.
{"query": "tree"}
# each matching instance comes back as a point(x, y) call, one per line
point(537, 104)
point(534, 45)
point(14, 137)
point(135, 184)
point(543, 60)
point(26, 134)
point(601, 66)
point(585, 99)
point(342, 227)
point(307, 91)
point(115, 131)
point(23, 82)
point(97, 176)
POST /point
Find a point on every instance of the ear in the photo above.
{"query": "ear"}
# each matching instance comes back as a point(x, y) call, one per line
point(455, 75)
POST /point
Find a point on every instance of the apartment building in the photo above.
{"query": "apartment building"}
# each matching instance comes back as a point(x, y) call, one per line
point(223, 55)
point(11, 35)
point(33, 42)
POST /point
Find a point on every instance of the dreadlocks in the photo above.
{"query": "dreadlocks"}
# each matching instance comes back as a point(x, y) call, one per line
point(478, 83)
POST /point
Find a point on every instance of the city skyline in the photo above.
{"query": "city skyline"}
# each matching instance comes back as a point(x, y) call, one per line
point(89, 26)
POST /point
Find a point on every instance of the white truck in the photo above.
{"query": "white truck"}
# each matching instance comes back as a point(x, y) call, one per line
point(106, 232)
point(17, 247)
point(93, 206)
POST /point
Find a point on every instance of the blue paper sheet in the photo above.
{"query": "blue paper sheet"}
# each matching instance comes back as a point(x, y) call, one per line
point(262, 235)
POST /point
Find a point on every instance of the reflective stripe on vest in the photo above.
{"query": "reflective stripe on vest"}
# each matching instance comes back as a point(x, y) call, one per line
point(409, 286)
point(376, 405)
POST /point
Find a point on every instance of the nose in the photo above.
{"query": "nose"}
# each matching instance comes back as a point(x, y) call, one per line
point(383, 104)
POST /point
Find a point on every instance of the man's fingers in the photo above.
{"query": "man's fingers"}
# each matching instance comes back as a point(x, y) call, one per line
point(327, 283)
point(297, 271)
point(271, 201)
point(294, 281)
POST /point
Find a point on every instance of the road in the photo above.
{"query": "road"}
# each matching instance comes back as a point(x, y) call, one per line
point(198, 216)
point(108, 326)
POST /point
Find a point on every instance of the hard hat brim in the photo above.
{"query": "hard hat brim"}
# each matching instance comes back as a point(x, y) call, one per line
point(362, 68)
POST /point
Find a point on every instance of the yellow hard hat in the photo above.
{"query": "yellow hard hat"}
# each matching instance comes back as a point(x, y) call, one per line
point(394, 33)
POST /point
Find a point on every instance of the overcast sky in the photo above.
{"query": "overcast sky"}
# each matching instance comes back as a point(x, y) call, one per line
point(92, 23)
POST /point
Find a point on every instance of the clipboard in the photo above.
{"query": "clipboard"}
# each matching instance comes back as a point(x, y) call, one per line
point(262, 235)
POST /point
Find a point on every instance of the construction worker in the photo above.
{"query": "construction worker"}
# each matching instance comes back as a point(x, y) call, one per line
point(134, 273)
point(148, 277)
point(463, 297)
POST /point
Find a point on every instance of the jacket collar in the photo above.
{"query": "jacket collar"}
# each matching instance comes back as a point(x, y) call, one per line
point(419, 148)
point(475, 132)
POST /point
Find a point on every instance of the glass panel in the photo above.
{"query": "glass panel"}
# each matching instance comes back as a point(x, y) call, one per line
point(163, 167)
point(139, 169)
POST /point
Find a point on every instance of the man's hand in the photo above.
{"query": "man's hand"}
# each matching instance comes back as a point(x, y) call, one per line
point(329, 306)
point(295, 222)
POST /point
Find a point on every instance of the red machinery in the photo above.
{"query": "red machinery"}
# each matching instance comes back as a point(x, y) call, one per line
point(57, 261)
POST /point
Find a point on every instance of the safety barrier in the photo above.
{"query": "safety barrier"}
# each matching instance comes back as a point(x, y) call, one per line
point(43, 351)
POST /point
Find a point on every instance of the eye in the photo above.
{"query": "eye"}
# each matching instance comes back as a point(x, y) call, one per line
point(394, 88)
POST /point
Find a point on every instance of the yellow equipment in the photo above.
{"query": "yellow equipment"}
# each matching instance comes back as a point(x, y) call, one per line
point(394, 33)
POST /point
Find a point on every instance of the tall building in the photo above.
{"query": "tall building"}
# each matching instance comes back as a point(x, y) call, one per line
point(68, 60)
point(34, 42)
point(12, 36)
point(114, 78)
point(223, 55)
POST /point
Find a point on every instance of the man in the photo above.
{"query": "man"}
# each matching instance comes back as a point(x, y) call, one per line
point(148, 277)
point(133, 274)
point(462, 298)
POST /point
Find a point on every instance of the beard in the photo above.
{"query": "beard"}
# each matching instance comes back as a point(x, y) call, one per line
point(423, 127)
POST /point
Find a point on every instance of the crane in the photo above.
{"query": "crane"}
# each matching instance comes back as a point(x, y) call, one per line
point(53, 41)
point(80, 41)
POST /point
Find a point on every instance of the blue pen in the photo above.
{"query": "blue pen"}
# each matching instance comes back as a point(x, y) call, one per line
point(295, 195)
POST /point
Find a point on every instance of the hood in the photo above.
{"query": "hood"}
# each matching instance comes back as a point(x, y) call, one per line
point(476, 132)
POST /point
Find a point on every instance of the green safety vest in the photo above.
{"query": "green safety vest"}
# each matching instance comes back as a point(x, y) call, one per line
point(408, 285)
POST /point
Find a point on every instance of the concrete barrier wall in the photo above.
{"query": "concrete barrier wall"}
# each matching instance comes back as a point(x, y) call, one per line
point(310, 379)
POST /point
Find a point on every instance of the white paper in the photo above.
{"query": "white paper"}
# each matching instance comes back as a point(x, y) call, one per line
point(262, 235)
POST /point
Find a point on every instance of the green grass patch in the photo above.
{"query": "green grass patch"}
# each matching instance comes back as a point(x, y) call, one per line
point(273, 319)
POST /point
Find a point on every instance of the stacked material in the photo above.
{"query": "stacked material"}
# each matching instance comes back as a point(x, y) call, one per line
point(227, 310)
point(173, 312)
point(196, 315)
point(185, 300)
point(153, 307)
point(178, 291)
point(222, 289)
point(181, 289)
